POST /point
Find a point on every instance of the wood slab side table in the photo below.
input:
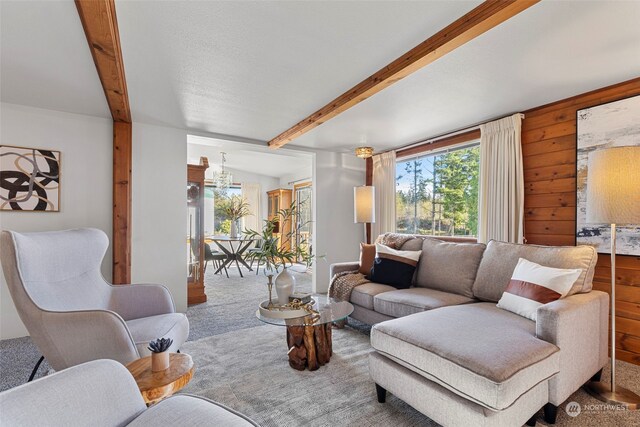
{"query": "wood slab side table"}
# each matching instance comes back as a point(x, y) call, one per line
point(155, 386)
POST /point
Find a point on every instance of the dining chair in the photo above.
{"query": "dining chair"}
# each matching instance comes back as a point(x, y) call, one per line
point(72, 314)
point(216, 257)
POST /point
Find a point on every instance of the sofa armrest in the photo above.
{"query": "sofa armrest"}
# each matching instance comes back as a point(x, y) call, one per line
point(140, 300)
point(578, 325)
point(341, 267)
point(101, 392)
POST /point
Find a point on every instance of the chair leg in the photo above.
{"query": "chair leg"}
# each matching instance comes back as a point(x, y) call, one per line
point(550, 413)
point(205, 266)
point(35, 369)
point(382, 393)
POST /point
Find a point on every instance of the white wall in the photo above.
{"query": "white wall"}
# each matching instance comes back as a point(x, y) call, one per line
point(336, 236)
point(296, 177)
point(85, 143)
point(159, 210)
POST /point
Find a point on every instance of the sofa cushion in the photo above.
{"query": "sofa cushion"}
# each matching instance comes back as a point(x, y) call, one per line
point(478, 351)
point(403, 302)
point(449, 267)
point(173, 325)
point(363, 295)
point(500, 260)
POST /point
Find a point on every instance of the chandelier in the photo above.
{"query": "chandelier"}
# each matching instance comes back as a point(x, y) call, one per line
point(222, 179)
point(364, 152)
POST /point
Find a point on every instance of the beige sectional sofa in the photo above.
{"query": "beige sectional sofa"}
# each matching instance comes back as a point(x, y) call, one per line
point(444, 347)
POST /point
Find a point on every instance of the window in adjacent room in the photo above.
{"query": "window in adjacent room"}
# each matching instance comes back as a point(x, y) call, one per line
point(437, 192)
point(216, 221)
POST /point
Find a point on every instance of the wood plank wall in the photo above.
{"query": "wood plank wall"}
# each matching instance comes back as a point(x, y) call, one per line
point(549, 150)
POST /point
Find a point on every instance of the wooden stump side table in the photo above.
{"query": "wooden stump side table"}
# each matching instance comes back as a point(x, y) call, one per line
point(309, 339)
point(155, 386)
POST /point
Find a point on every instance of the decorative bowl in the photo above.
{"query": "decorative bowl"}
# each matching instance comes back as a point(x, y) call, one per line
point(278, 312)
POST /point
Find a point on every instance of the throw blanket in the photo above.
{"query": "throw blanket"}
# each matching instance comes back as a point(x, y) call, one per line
point(343, 283)
point(394, 240)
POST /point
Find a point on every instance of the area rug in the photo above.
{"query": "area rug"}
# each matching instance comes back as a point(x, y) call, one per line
point(248, 371)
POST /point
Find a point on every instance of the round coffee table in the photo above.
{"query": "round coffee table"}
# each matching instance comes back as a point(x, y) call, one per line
point(155, 386)
point(309, 338)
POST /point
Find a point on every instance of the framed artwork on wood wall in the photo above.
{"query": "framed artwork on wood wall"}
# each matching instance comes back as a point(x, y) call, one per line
point(29, 179)
point(614, 124)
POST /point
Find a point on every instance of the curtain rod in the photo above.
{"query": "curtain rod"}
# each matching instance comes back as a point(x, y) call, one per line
point(298, 180)
point(445, 135)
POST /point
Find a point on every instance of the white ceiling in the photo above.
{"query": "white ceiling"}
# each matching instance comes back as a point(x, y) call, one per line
point(45, 59)
point(249, 157)
point(552, 51)
point(253, 69)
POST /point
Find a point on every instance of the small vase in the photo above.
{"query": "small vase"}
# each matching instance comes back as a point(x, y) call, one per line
point(285, 282)
point(233, 233)
point(159, 361)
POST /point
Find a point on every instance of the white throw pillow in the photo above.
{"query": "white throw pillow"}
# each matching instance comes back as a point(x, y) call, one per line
point(408, 257)
point(533, 285)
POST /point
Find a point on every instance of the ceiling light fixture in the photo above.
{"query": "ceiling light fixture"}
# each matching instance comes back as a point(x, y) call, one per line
point(364, 152)
point(222, 179)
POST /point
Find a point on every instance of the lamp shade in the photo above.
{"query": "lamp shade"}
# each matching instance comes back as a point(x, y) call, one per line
point(364, 204)
point(613, 186)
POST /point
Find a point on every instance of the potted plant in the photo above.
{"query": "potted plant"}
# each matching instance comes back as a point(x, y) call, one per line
point(278, 256)
point(159, 354)
point(236, 208)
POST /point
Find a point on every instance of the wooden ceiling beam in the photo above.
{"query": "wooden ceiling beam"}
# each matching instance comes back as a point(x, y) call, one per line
point(479, 20)
point(100, 25)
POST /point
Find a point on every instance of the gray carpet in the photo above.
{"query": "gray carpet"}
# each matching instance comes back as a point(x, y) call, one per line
point(242, 363)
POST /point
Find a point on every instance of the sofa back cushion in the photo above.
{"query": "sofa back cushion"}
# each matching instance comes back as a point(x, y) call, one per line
point(500, 259)
point(449, 267)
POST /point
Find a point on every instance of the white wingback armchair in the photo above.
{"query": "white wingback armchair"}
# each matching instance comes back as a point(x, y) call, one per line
point(72, 314)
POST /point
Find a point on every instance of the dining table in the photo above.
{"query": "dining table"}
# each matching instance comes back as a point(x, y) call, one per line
point(233, 248)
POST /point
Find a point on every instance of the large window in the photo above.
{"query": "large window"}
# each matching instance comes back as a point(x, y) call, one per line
point(437, 193)
point(215, 219)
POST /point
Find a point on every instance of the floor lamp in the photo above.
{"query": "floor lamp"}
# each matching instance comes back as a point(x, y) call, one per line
point(613, 197)
point(364, 206)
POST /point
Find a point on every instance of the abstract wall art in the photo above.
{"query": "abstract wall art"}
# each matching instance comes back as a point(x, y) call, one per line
point(615, 124)
point(29, 179)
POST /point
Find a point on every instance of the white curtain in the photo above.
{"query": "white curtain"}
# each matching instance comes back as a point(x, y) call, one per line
point(501, 183)
point(252, 193)
point(384, 180)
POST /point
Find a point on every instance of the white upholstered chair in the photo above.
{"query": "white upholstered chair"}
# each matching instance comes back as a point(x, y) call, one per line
point(72, 314)
point(103, 393)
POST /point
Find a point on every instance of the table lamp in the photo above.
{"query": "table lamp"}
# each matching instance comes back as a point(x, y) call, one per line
point(613, 197)
point(364, 209)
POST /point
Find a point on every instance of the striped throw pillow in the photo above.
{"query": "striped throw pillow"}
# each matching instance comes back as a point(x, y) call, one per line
point(393, 267)
point(533, 285)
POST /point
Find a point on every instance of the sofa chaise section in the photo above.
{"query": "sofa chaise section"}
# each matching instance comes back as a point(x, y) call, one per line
point(487, 355)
